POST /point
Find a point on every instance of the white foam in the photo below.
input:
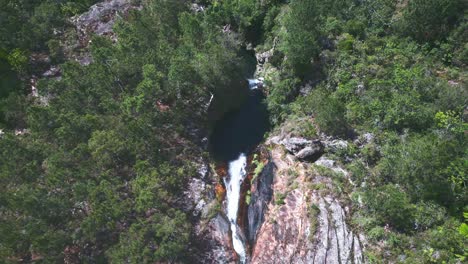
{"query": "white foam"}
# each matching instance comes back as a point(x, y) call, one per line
point(237, 172)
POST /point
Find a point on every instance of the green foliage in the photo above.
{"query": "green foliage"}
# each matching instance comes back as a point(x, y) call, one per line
point(103, 166)
point(281, 94)
point(328, 112)
point(160, 237)
point(279, 198)
point(346, 43)
point(301, 45)
point(428, 215)
point(313, 212)
point(451, 122)
point(422, 165)
point(259, 165)
point(428, 20)
point(463, 229)
point(108, 158)
point(18, 60)
point(391, 206)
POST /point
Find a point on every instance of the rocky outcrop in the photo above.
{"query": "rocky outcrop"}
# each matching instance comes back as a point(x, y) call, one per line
point(312, 152)
point(211, 241)
point(301, 148)
point(303, 224)
point(98, 20)
point(214, 243)
point(261, 194)
point(101, 17)
point(336, 243)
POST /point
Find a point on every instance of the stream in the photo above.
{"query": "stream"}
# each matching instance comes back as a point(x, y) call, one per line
point(233, 139)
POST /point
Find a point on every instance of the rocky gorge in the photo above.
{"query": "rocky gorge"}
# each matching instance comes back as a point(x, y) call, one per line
point(292, 215)
point(288, 211)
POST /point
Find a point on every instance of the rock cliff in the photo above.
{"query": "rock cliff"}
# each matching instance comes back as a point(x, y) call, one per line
point(305, 222)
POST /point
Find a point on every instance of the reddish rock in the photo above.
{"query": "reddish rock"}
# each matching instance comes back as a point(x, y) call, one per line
point(292, 232)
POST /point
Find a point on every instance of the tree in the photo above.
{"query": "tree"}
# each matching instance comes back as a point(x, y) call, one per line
point(161, 237)
point(430, 20)
point(392, 206)
point(301, 46)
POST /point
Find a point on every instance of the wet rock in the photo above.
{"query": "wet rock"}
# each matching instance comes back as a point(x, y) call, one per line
point(211, 243)
point(263, 57)
point(261, 194)
point(214, 242)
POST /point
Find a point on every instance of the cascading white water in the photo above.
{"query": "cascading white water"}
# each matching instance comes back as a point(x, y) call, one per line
point(255, 83)
point(237, 172)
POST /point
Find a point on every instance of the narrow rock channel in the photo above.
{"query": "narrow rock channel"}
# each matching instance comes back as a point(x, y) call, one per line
point(233, 139)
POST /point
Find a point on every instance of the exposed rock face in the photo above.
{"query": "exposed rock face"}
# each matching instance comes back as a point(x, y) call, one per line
point(261, 196)
point(215, 243)
point(308, 226)
point(336, 243)
point(294, 144)
point(303, 149)
point(211, 243)
point(310, 152)
point(100, 18)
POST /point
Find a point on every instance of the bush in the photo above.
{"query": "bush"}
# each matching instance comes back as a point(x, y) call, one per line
point(429, 20)
point(280, 95)
point(328, 112)
point(346, 43)
point(428, 215)
point(391, 205)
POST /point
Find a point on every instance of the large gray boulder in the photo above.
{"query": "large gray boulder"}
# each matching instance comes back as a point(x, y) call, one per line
point(304, 149)
point(310, 153)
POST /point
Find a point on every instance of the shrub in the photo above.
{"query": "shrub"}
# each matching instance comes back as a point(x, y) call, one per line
point(328, 111)
point(429, 20)
point(391, 205)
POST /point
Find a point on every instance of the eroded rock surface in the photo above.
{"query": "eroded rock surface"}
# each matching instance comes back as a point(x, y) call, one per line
point(260, 198)
point(303, 224)
point(211, 243)
point(215, 243)
point(303, 149)
point(100, 18)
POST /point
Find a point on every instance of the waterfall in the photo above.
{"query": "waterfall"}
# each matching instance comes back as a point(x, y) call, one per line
point(255, 83)
point(237, 172)
point(232, 139)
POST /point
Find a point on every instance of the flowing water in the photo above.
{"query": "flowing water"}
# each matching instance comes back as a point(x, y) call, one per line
point(237, 172)
point(233, 138)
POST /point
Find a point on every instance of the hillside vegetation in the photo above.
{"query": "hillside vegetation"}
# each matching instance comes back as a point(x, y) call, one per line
point(99, 174)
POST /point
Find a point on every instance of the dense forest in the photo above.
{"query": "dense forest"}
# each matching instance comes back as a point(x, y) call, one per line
point(100, 168)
